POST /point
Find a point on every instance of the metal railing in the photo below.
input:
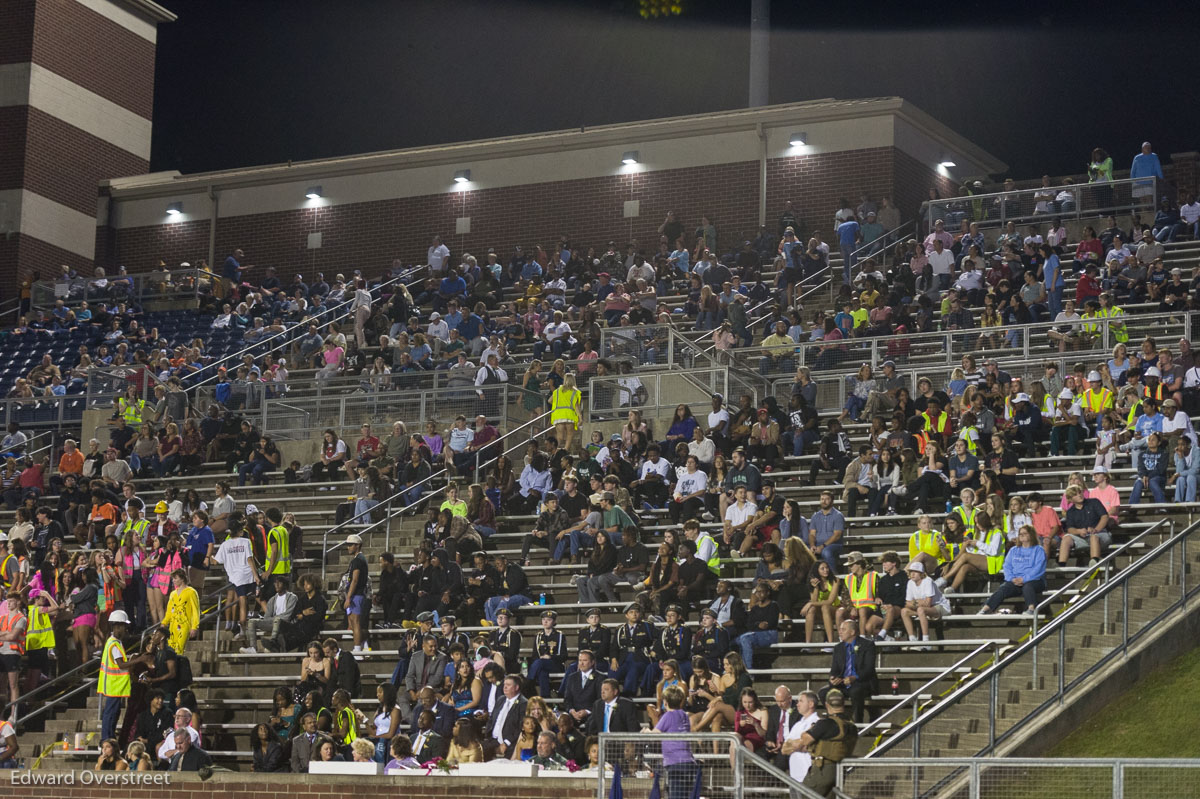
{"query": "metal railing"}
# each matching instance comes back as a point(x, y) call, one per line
point(1042, 670)
point(1019, 777)
point(1077, 201)
point(716, 763)
point(947, 347)
point(88, 671)
point(389, 510)
point(158, 284)
point(346, 412)
point(277, 341)
point(654, 392)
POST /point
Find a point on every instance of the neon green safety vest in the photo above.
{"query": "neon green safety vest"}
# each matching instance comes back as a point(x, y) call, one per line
point(714, 562)
point(40, 632)
point(862, 594)
point(1119, 330)
point(283, 561)
point(131, 411)
point(114, 681)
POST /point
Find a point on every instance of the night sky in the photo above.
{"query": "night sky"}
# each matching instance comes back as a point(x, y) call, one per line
point(243, 83)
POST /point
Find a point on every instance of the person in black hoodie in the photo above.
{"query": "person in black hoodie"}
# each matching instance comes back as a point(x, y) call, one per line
point(512, 591)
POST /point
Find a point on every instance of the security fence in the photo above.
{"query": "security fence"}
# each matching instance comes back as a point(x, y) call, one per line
point(688, 766)
point(1020, 778)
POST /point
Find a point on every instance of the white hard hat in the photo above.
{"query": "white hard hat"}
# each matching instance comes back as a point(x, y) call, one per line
point(1093, 377)
point(1152, 372)
point(118, 617)
point(1066, 394)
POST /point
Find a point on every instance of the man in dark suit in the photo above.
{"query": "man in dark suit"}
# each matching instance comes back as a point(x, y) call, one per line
point(427, 744)
point(504, 726)
point(783, 710)
point(426, 668)
point(188, 757)
point(304, 745)
point(612, 712)
point(443, 714)
point(853, 669)
point(345, 675)
point(581, 688)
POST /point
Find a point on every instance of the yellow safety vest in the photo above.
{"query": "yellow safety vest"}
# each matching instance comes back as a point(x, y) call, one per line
point(941, 425)
point(967, 520)
point(351, 725)
point(564, 406)
point(131, 411)
point(862, 595)
point(114, 681)
point(1097, 401)
point(4, 570)
point(995, 562)
point(714, 562)
point(1089, 324)
point(283, 561)
point(40, 632)
point(1131, 422)
point(930, 543)
point(1119, 330)
point(972, 443)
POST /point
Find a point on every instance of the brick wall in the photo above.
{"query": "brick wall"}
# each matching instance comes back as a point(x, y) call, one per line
point(33, 256)
point(16, 34)
point(96, 53)
point(369, 235)
point(229, 785)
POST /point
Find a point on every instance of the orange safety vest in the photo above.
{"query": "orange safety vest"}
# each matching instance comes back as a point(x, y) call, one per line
point(7, 622)
point(1157, 395)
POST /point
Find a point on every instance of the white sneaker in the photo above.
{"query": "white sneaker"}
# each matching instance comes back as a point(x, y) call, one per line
point(881, 636)
point(913, 638)
point(248, 650)
point(356, 649)
point(946, 590)
point(940, 582)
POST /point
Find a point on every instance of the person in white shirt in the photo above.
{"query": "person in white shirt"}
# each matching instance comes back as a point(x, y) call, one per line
point(1189, 212)
point(1066, 325)
point(718, 420)
point(690, 484)
point(555, 337)
point(654, 480)
point(702, 447)
point(237, 556)
point(923, 600)
point(942, 261)
point(800, 760)
point(183, 721)
point(438, 332)
point(1119, 252)
point(437, 257)
point(737, 516)
point(1057, 235)
point(490, 374)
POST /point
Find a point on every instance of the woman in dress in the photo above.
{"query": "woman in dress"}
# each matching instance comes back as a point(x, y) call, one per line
point(526, 746)
point(670, 678)
point(465, 743)
point(750, 721)
point(315, 671)
point(466, 692)
point(386, 722)
point(532, 399)
point(183, 612)
point(724, 694)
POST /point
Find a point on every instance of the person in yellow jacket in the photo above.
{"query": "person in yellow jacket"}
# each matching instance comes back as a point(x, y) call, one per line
point(183, 612)
point(863, 603)
point(927, 546)
point(565, 402)
point(984, 553)
point(39, 637)
point(1117, 330)
point(130, 407)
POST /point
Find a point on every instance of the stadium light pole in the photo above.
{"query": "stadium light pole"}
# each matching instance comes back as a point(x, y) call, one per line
point(760, 51)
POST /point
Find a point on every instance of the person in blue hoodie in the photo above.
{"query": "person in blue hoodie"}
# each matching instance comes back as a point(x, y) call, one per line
point(1024, 573)
point(1152, 470)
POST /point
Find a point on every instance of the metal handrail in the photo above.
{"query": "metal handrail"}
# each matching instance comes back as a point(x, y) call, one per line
point(928, 215)
point(1101, 566)
point(914, 698)
point(327, 550)
point(1057, 624)
point(861, 251)
point(286, 333)
point(93, 665)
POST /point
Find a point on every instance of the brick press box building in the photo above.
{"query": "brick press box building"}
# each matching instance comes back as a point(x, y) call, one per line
point(736, 167)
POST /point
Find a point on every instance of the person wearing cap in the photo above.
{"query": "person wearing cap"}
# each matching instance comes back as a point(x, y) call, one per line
point(864, 601)
point(712, 641)
point(1065, 424)
point(1086, 521)
point(632, 647)
point(549, 653)
point(1142, 424)
point(674, 643)
point(13, 627)
point(132, 535)
point(1096, 400)
point(356, 601)
point(924, 601)
point(505, 640)
point(451, 636)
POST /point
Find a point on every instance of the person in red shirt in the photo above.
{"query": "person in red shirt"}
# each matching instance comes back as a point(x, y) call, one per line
point(365, 451)
point(1088, 286)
